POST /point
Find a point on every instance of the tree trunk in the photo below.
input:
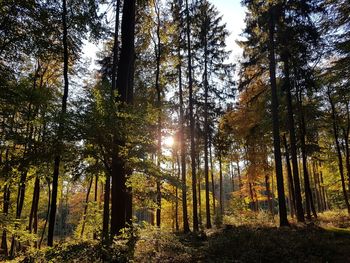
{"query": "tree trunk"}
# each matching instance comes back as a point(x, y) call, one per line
point(61, 127)
point(159, 108)
point(346, 131)
point(192, 122)
point(212, 178)
point(177, 194)
point(6, 206)
point(86, 207)
point(115, 48)
point(268, 191)
point(337, 144)
point(186, 227)
point(308, 193)
point(96, 204)
point(292, 137)
point(275, 122)
point(33, 218)
point(290, 179)
point(47, 213)
point(199, 184)
point(125, 90)
point(206, 135)
point(221, 191)
point(106, 216)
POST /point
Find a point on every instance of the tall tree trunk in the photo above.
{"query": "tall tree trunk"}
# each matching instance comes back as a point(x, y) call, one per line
point(96, 204)
point(5, 212)
point(35, 202)
point(206, 134)
point(212, 177)
point(292, 137)
point(346, 131)
point(6, 203)
point(33, 218)
point(106, 209)
point(125, 90)
point(158, 50)
point(177, 194)
point(115, 48)
point(221, 191)
point(290, 179)
point(275, 122)
point(308, 194)
point(186, 227)
point(192, 121)
point(337, 144)
point(61, 127)
point(324, 195)
point(268, 191)
point(47, 213)
point(86, 207)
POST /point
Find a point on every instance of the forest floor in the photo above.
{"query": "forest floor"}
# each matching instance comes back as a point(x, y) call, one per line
point(248, 238)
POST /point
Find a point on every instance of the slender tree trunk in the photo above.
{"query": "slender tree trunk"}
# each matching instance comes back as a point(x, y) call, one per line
point(308, 193)
point(206, 135)
point(96, 204)
point(186, 227)
point(47, 213)
point(346, 132)
point(212, 178)
point(61, 127)
point(337, 144)
point(6, 206)
point(192, 122)
point(159, 107)
point(177, 194)
point(268, 192)
point(33, 218)
point(115, 48)
point(35, 202)
point(86, 207)
point(290, 179)
point(324, 195)
point(275, 122)
point(292, 137)
point(106, 212)
point(199, 184)
point(6, 203)
point(221, 187)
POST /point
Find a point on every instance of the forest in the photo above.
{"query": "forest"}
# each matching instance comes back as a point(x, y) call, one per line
point(167, 148)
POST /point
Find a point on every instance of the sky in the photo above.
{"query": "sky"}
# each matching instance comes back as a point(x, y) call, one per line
point(233, 15)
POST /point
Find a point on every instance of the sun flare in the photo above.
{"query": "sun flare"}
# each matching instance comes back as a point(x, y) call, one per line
point(169, 141)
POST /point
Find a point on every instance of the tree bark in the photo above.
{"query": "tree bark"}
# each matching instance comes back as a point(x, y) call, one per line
point(86, 207)
point(293, 148)
point(125, 90)
point(206, 133)
point(47, 213)
point(186, 227)
point(212, 177)
point(159, 108)
point(192, 121)
point(61, 127)
point(339, 154)
point(290, 179)
point(308, 193)
point(106, 209)
point(221, 191)
point(275, 122)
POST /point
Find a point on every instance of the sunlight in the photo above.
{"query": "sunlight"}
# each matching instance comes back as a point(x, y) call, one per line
point(169, 141)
